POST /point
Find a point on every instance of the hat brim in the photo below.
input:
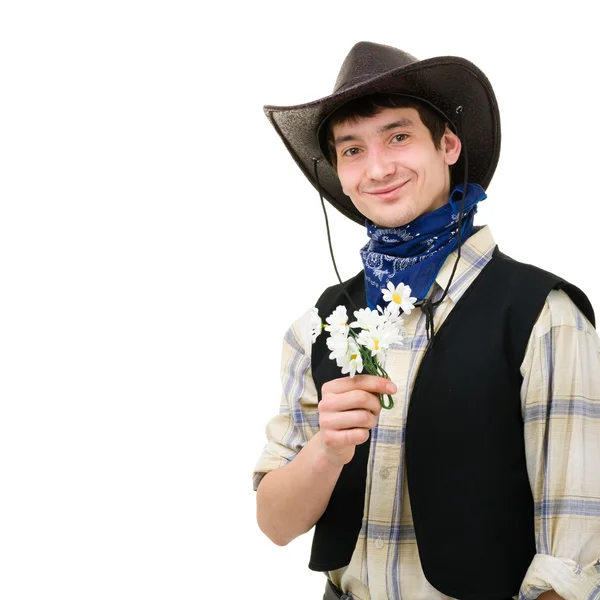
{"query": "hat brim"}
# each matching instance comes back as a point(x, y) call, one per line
point(445, 82)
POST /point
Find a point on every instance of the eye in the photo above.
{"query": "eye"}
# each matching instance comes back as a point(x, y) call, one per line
point(350, 152)
point(400, 135)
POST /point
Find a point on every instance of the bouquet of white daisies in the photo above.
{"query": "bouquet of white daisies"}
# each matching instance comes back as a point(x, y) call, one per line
point(355, 351)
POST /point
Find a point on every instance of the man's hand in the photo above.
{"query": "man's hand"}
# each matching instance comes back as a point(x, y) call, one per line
point(348, 410)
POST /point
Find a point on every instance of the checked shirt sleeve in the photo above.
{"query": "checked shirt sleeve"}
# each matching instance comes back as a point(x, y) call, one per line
point(561, 410)
point(298, 418)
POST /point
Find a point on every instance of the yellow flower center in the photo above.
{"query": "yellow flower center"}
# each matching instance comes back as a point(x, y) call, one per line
point(353, 356)
point(376, 344)
point(397, 299)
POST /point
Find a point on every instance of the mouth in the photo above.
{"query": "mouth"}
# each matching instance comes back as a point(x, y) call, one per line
point(387, 193)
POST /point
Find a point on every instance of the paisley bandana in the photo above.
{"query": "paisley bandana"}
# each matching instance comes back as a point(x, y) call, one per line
point(414, 253)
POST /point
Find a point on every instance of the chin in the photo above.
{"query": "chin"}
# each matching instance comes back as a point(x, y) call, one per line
point(393, 215)
point(390, 222)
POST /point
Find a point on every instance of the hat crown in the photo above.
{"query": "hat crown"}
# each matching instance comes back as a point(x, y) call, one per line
point(367, 60)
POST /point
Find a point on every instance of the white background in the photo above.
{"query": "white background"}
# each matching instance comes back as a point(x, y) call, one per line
point(153, 228)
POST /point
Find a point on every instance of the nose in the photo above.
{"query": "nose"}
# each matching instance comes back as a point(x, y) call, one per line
point(379, 165)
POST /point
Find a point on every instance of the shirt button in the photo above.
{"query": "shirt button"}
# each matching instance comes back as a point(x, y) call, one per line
point(384, 473)
point(378, 543)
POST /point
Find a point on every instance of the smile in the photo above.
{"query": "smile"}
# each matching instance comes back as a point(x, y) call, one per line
point(387, 193)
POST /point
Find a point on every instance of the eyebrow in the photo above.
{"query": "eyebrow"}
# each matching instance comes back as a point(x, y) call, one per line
point(400, 123)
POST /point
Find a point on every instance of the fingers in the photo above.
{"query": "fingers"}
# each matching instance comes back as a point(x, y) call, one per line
point(348, 410)
point(369, 383)
point(350, 393)
point(352, 403)
point(349, 401)
point(350, 419)
point(339, 440)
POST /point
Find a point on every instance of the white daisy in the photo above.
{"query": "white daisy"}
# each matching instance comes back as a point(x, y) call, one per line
point(391, 315)
point(338, 344)
point(367, 319)
point(351, 362)
point(379, 339)
point(393, 333)
point(337, 321)
point(400, 296)
point(315, 323)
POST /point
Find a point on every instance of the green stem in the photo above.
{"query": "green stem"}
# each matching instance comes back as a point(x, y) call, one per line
point(383, 405)
point(373, 367)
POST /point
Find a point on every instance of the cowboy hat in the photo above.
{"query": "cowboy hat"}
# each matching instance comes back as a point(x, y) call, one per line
point(446, 83)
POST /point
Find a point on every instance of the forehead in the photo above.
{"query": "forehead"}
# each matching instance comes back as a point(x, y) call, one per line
point(407, 117)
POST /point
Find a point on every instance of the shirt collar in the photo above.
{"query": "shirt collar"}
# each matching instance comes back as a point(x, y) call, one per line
point(475, 253)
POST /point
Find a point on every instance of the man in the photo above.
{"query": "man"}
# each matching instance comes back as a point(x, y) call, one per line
point(482, 482)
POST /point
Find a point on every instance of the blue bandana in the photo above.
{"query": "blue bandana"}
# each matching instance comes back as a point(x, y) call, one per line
point(413, 254)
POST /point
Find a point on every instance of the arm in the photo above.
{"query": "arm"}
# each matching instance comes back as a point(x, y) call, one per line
point(308, 444)
point(291, 499)
point(561, 411)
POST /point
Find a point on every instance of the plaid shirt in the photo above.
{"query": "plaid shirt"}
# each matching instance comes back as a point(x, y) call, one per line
point(560, 398)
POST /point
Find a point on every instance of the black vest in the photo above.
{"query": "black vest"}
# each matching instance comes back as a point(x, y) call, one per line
point(465, 456)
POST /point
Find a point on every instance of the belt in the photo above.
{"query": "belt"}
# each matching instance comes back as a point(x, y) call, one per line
point(333, 593)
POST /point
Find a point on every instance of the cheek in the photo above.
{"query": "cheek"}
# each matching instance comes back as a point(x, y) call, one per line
point(347, 179)
point(429, 168)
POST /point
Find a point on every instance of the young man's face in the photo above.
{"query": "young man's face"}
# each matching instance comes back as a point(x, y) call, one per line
point(390, 168)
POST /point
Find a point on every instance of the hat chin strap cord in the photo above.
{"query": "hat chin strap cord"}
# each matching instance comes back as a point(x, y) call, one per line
point(315, 163)
point(426, 305)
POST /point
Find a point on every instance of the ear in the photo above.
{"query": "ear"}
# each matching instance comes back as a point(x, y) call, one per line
point(451, 146)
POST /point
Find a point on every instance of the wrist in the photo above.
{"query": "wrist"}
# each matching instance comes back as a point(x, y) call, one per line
point(327, 461)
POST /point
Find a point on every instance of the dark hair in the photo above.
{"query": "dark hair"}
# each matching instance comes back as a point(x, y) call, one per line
point(369, 106)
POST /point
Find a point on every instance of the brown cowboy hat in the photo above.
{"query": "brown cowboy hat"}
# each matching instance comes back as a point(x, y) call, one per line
point(446, 83)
